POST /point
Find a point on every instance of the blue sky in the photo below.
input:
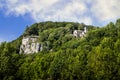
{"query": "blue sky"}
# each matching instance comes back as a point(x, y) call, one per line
point(15, 15)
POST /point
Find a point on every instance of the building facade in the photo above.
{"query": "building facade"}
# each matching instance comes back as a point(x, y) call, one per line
point(80, 33)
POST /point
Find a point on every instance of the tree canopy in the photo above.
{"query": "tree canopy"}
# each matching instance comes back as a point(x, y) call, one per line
point(64, 57)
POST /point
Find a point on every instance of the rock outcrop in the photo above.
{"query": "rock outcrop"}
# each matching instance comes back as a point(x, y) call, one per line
point(30, 45)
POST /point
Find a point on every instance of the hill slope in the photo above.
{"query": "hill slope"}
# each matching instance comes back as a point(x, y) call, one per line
point(95, 56)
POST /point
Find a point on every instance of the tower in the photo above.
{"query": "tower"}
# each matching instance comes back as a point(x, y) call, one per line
point(85, 29)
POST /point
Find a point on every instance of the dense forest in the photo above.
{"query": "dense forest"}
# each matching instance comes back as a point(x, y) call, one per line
point(64, 57)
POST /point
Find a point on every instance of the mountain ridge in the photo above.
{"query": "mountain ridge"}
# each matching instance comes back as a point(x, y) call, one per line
point(95, 56)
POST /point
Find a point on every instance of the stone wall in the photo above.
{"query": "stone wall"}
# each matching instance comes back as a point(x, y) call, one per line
point(80, 33)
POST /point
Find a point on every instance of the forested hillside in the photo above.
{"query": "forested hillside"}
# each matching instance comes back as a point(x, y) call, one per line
point(64, 57)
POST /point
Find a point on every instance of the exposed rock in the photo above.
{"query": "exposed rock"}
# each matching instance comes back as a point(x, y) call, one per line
point(30, 45)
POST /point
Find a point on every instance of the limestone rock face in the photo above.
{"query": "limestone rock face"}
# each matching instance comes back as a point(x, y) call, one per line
point(30, 45)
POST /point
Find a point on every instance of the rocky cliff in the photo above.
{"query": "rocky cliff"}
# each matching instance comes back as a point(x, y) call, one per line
point(30, 45)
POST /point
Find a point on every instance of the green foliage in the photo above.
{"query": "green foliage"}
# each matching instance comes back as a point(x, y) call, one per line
point(33, 30)
point(64, 57)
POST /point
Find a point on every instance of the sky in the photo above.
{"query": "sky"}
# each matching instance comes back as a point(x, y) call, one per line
point(15, 15)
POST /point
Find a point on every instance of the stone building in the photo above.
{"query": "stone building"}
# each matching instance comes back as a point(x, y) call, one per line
point(80, 33)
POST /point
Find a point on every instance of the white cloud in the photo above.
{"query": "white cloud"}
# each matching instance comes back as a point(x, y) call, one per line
point(69, 10)
point(106, 9)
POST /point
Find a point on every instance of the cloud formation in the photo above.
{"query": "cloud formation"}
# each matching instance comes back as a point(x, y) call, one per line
point(106, 9)
point(64, 10)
